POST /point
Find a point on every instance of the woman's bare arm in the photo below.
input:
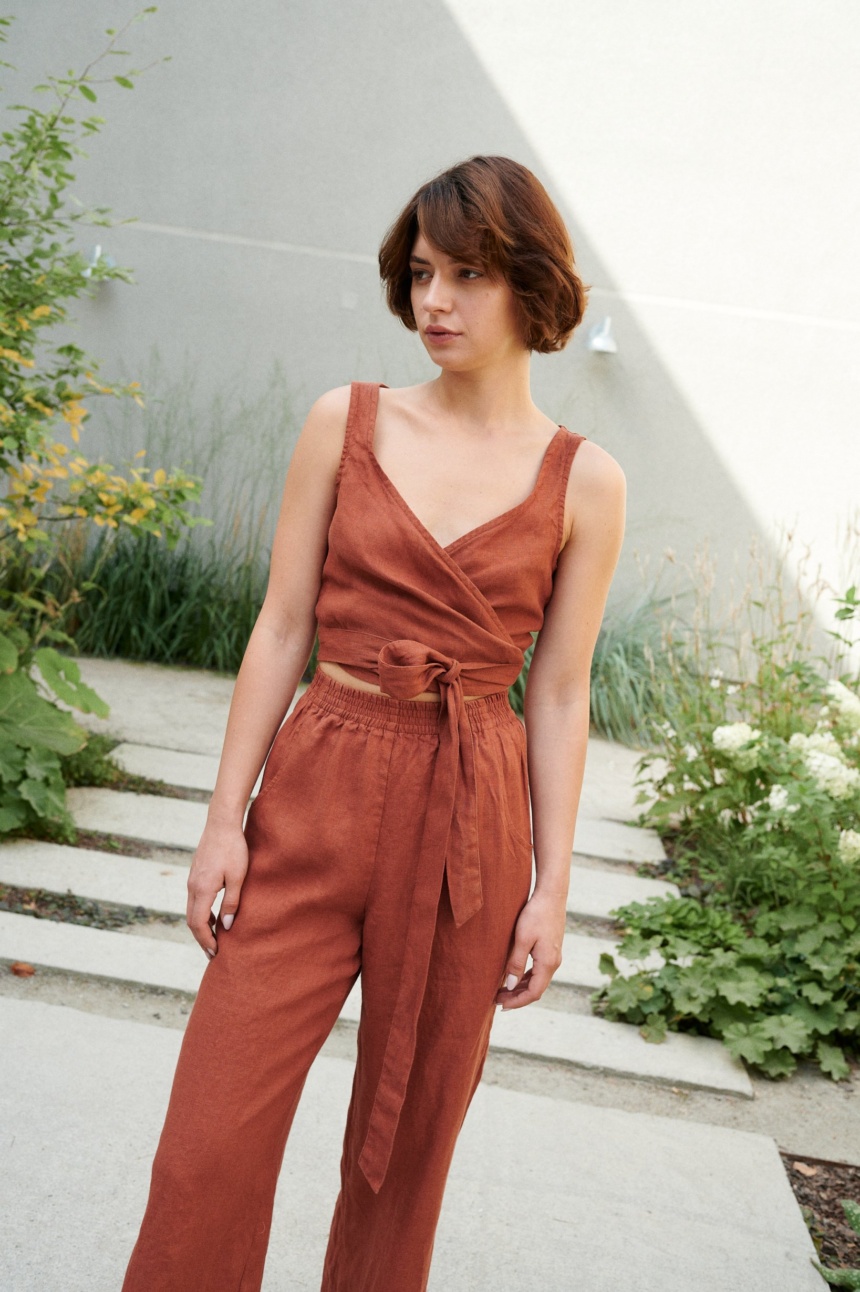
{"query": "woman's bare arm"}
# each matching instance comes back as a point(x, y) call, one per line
point(274, 660)
point(557, 710)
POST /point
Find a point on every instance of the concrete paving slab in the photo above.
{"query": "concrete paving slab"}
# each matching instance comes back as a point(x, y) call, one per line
point(152, 704)
point(586, 1041)
point(173, 823)
point(546, 1034)
point(594, 893)
point(99, 876)
point(582, 954)
point(590, 1042)
point(173, 766)
point(542, 1193)
point(608, 788)
point(616, 842)
point(100, 953)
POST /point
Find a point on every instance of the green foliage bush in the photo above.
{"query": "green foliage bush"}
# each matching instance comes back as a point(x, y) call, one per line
point(763, 948)
point(46, 483)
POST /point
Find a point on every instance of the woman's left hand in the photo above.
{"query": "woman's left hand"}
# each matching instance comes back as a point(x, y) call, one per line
point(539, 933)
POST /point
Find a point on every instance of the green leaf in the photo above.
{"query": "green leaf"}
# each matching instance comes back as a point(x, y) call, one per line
point(11, 759)
point(832, 1060)
point(654, 1030)
point(124, 82)
point(693, 991)
point(849, 1279)
point(824, 1018)
point(742, 985)
point(747, 1041)
point(606, 964)
point(8, 654)
point(45, 800)
point(41, 763)
point(88, 93)
point(815, 993)
point(12, 815)
point(64, 678)
point(779, 1063)
point(787, 1031)
point(27, 719)
point(626, 994)
point(852, 1213)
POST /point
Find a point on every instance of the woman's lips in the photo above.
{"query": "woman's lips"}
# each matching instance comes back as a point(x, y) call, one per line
point(440, 337)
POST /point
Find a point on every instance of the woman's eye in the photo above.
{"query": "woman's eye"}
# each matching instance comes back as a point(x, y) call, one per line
point(472, 273)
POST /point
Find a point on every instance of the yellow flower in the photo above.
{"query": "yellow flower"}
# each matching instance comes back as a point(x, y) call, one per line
point(74, 413)
point(40, 312)
point(159, 477)
point(16, 357)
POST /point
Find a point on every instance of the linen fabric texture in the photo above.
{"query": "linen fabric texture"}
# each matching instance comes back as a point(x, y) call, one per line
point(391, 838)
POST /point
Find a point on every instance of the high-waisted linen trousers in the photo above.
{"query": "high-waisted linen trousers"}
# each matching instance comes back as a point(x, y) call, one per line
point(333, 839)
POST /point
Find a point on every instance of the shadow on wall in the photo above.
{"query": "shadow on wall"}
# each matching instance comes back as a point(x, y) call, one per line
point(263, 164)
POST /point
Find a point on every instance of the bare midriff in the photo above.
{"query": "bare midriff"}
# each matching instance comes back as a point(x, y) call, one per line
point(339, 674)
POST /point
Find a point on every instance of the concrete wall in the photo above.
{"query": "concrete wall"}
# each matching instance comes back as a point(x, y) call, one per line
point(703, 155)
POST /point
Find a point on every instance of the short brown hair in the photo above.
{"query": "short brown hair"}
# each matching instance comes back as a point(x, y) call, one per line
point(494, 211)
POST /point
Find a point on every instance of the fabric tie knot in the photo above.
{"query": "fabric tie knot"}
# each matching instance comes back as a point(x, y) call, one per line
point(406, 668)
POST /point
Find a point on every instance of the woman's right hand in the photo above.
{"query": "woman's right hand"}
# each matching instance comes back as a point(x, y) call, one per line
point(220, 861)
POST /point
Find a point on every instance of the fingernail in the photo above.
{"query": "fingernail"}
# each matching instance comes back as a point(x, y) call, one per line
point(209, 953)
point(226, 920)
point(511, 981)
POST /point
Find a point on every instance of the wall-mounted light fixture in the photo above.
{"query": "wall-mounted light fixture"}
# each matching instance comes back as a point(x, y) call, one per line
point(98, 256)
point(600, 337)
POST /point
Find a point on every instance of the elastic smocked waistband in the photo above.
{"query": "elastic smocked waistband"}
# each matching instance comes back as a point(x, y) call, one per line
point(374, 710)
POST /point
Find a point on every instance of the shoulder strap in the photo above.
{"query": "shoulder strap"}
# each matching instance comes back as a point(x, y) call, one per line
point(570, 441)
point(360, 421)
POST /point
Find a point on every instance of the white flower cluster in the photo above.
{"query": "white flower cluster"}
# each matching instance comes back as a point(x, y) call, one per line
point(849, 845)
point(846, 702)
point(832, 775)
point(820, 741)
point(778, 798)
point(734, 740)
point(825, 762)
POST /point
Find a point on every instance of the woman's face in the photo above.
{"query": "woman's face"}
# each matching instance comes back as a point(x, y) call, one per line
point(465, 318)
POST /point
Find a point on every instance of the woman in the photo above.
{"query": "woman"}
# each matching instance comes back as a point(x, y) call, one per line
point(426, 532)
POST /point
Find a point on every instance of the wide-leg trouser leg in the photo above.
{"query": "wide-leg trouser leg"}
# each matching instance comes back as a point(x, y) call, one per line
point(333, 841)
point(266, 1004)
point(383, 1242)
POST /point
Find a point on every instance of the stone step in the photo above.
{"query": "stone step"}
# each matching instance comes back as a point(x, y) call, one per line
point(584, 1041)
point(99, 876)
point(134, 882)
point(609, 790)
point(175, 767)
point(614, 841)
point(534, 1032)
point(99, 953)
point(594, 893)
point(605, 1198)
point(170, 823)
point(701, 1062)
point(581, 957)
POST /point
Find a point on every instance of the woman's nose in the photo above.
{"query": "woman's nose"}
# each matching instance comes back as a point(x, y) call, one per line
point(437, 296)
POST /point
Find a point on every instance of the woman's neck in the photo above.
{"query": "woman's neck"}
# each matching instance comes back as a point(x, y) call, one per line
point(499, 397)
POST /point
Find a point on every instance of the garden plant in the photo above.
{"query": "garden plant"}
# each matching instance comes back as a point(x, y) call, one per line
point(47, 483)
point(754, 785)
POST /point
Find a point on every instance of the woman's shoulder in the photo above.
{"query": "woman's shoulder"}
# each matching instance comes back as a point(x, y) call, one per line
point(596, 491)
